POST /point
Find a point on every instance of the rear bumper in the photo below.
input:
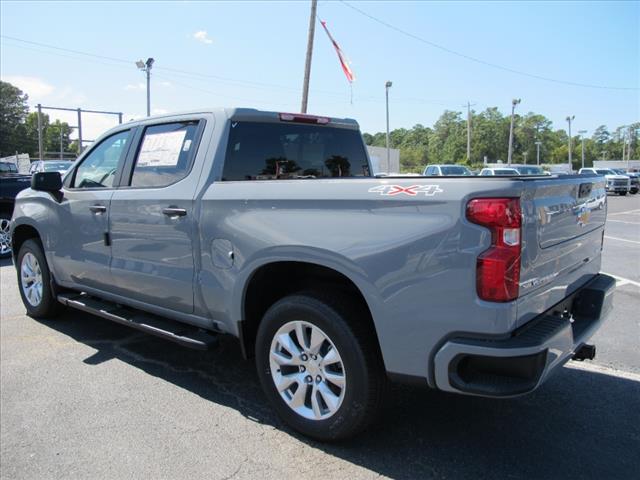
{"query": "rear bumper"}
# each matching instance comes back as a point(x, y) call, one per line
point(520, 363)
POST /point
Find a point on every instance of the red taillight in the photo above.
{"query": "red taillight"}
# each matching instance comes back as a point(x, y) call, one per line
point(302, 118)
point(498, 267)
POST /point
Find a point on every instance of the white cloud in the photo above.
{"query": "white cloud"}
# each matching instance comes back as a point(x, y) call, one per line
point(136, 86)
point(203, 37)
point(36, 88)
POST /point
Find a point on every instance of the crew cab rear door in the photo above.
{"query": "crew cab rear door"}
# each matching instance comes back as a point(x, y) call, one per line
point(152, 221)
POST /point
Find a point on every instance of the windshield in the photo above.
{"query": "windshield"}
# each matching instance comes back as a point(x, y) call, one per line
point(605, 171)
point(530, 170)
point(505, 171)
point(56, 166)
point(6, 167)
point(455, 170)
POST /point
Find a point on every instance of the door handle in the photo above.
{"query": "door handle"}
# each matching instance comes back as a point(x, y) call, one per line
point(174, 212)
point(98, 209)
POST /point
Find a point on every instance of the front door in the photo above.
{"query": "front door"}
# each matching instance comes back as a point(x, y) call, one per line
point(81, 254)
point(152, 219)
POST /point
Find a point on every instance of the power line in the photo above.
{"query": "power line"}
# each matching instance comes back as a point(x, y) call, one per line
point(478, 60)
point(122, 63)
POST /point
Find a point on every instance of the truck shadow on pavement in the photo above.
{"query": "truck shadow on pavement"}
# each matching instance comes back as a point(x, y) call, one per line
point(578, 425)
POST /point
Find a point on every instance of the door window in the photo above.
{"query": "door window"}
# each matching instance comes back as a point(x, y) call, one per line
point(165, 155)
point(100, 166)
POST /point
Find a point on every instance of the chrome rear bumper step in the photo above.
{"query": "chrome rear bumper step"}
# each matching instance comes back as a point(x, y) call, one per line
point(185, 335)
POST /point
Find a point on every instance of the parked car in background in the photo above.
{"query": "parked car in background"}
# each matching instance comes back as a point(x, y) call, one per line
point(633, 176)
point(616, 183)
point(530, 170)
point(50, 166)
point(11, 182)
point(270, 228)
point(447, 171)
point(504, 172)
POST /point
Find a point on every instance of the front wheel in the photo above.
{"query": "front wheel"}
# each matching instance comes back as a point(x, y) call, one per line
point(319, 365)
point(5, 235)
point(623, 193)
point(34, 281)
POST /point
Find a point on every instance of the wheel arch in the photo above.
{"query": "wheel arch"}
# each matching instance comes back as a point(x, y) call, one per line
point(20, 234)
point(272, 280)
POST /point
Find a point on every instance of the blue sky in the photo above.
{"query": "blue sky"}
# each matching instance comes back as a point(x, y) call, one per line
point(253, 55)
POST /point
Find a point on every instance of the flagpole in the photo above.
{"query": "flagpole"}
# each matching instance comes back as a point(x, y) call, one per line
point(307, 63)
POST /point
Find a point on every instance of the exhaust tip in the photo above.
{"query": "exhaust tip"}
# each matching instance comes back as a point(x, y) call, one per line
point(585, 352)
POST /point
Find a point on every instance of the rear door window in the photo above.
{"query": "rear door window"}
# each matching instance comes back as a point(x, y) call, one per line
point(279, 151)
point(165, 154)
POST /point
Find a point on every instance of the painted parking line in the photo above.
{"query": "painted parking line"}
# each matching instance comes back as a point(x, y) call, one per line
point(622, 221)
point(620, 281)
point(592, 367)
point(637, 210)
point(621, 239)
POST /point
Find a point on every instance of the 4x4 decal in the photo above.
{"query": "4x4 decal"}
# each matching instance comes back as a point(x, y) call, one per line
point(413, 190)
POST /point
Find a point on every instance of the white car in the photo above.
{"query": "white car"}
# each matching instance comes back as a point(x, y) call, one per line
point(447, 171)
point(60, 166)
point(503, 172)
point(620, 184)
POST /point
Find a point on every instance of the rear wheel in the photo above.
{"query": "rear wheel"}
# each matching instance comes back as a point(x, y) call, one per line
point(623, 193)
point(319, 365)
point(34, 281)
point(5, 235)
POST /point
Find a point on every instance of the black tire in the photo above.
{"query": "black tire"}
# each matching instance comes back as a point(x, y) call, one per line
point(623, 193)
point(346, 327)
point(48, 305)
point(5, 241)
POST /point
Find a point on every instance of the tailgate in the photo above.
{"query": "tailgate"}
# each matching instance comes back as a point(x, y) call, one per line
point(562, 239)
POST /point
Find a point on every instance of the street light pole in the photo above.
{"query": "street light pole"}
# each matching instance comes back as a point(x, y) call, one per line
point(538, 152)
point(524, 154)
point(582, 132)
point(514, 102)
point(569, 119)
point(146, 67)
point(387, 86)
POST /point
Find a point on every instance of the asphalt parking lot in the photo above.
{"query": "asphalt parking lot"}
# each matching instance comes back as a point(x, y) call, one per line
point(81, 397)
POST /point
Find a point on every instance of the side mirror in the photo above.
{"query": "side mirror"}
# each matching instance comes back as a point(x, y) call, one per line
point(46, 181)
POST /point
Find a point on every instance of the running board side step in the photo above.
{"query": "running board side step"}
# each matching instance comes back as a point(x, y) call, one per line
point(185, 335)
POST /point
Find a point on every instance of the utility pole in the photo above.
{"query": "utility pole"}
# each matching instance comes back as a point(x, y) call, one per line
point(468, 131)
point(387, 86)
point(524, 154)
point(61, 147)
point(604, 155)
point(40, 148)
point(538, 152)
point(582, 132)
point(514, 102)
point(146, 67)
point(307, 62)
point(569, 120)
point(79, 131)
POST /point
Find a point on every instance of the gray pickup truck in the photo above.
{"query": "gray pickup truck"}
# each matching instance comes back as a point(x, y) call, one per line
point(269, 227)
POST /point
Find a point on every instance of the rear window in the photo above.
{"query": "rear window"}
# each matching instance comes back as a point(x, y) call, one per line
point(455, 171)
point(280, 151)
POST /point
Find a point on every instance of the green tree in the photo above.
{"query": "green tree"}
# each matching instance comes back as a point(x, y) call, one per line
point(13, 111)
